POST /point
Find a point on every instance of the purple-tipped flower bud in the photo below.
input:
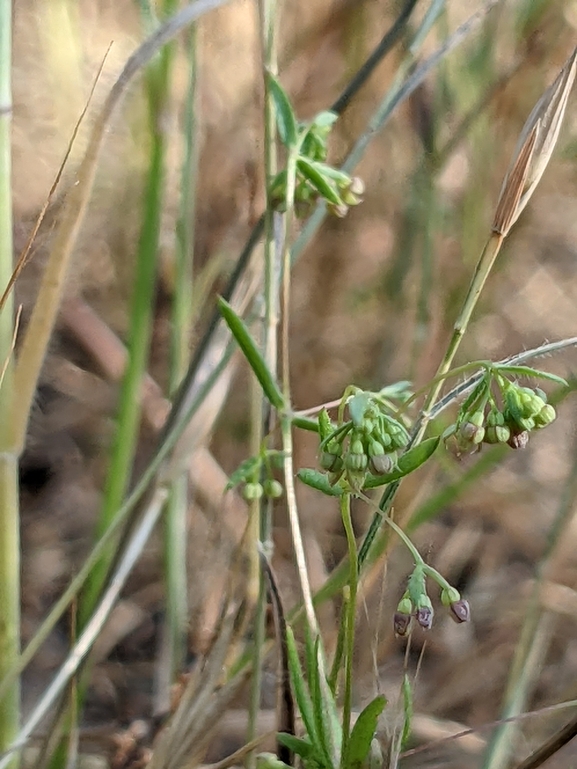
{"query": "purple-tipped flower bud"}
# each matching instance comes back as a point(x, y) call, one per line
point(425, 617)
point(519, 440)
point(460, 611)
point(403, 616)
point(401, 623)
point(425, 612)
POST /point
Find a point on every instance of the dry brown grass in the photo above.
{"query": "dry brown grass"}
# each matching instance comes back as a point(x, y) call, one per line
point(356, 318)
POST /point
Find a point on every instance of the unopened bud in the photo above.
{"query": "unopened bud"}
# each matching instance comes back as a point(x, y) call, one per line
point(339, 210)
point(460, 611)
point(449, 595)
point(545, 416)
point(401, 623)
point(425, 612)
point(252, 491)
point(519, 440)
point(273, 488)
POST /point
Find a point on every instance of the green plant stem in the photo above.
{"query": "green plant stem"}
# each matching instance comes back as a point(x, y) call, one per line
point(9, 497)
point(482, 270)
point(351, 611)
point(139, 335)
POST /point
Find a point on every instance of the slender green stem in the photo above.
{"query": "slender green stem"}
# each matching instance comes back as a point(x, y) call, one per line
point(9, 500)
point(482, 270)
point(140, 328)
point(349, 620)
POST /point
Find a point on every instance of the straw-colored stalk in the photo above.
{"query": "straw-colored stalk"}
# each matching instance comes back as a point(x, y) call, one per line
point(9, 519)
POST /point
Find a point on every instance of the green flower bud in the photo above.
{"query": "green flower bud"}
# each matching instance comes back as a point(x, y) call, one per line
point(497, 434)
point(477, 418)
point(471, 432)
point(545, 416)
point(357, 446)
point(331, 458)
point(495, 418)
point(526, 423)
point(405, 605)
point(356, 462)
point(273, 488)
point(252, 491)
point(449, 595)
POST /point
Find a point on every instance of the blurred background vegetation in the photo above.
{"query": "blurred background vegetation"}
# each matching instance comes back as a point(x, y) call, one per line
point(374, 298)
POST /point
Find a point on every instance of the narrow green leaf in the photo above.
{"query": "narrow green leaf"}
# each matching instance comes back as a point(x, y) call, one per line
point(319, 481)
point(304, 423)
point(476, 393)
point(243, 472)
point(252, 354)
point(330, 172)
point(325, 425)
point(363, 732)
point(302, 696)
point(325, 119)
point(325, 709)
point(302, 748)
point(408, 462)
point(318, 180)
point(407, 710)
point(527, 371)
point(286, 121)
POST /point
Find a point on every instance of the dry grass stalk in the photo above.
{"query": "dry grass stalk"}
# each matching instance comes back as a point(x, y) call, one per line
point(534, 148)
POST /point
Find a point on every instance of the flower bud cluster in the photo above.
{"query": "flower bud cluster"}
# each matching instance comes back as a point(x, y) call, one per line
point(318, 181)
point(523, 411)
point(371, 445)
point(270, 488)
point(416, 606)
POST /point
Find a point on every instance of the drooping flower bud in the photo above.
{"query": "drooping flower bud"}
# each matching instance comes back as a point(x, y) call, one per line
point(273, 488)
point(460, 611)
point(379, 462)
point(331, 458)
point(518, 440)
point(403, 616)
point(545, 416)
point(252, 491)
point(401, 623)
point(425, 612)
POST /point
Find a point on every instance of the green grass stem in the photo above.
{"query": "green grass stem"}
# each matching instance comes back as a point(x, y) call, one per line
point(141, 317)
